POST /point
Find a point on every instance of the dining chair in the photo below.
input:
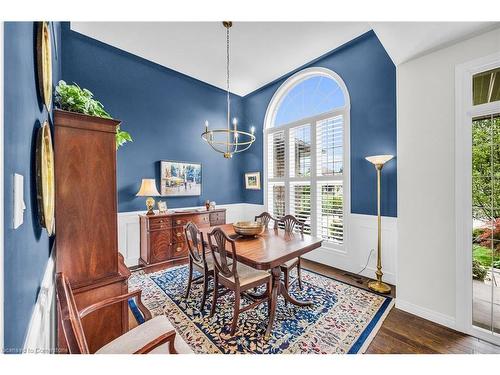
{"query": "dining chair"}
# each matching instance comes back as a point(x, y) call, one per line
point(235, 276)
point(198, 260)
point(155, 335)
point(265, 218)
point(290, 223)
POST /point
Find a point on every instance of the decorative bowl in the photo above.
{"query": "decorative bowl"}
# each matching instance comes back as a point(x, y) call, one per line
point(248, 228)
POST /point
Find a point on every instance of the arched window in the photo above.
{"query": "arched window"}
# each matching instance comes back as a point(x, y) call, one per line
point(306, 152)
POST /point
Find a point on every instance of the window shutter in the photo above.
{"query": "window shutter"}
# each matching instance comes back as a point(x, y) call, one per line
point(330, 134)
point(276, 155)
point(276, 199)
point(330, 211)
point(300, 151)
point(300, 203)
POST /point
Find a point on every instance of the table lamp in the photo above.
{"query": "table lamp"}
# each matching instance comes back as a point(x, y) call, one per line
point(377, 285)
point(148, 189)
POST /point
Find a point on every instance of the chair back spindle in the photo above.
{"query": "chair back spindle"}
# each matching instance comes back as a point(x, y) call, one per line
point(195, 243)
point(290, 222)
point(265, 218)
point(218, 240)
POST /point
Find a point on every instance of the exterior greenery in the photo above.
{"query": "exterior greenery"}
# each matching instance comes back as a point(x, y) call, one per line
point(486, 194)
point(75, 99)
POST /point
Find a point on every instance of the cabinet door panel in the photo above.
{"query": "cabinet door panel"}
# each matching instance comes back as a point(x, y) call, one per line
point(160, 244)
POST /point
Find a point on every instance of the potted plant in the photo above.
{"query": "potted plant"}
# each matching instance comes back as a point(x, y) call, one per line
point(75, 99)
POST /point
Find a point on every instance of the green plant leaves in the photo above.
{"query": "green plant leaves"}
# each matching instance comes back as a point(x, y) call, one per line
point(75, 99)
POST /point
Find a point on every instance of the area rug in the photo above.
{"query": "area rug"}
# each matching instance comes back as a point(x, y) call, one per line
point(342, 319)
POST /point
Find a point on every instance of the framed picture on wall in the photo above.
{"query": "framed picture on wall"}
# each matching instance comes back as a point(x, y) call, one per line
point(252, 180)
point(180, 179)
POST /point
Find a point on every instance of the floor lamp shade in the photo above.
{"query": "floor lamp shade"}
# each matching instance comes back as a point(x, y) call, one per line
point(378, 285)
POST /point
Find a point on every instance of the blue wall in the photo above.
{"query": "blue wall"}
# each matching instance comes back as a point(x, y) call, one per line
point(164, 111)
point(370, 76)
point(27, 247)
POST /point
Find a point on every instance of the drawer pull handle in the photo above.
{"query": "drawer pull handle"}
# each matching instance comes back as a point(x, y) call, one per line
point(178, 221)
point(178, 249)
point(179, 234)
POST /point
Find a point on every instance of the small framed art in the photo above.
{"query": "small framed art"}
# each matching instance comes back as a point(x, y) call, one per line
point(252, 180)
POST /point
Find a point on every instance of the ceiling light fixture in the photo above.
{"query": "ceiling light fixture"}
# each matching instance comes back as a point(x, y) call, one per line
point(228, 141)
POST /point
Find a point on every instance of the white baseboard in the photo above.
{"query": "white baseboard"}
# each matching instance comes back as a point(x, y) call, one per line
point(40, 337)
point(423, 312)
point(129, 228)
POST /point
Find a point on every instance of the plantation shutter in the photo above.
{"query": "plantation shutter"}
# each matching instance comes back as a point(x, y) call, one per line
point(330, 147)
point(276, 199)
point(330, 220)
point(300, 204)
point(276, 155)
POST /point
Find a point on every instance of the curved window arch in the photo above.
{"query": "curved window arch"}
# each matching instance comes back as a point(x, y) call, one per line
point(306, 133)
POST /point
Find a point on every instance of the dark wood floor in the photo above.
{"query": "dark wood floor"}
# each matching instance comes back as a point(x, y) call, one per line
point(404, 333)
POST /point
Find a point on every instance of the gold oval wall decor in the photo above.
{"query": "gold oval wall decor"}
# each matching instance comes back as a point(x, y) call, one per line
point(45, 178)
point(44, 63)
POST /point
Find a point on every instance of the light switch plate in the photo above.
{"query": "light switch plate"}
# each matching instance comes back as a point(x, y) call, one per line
point(19, 205)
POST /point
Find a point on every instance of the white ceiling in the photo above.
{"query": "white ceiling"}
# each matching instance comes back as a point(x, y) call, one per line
point(264, 51)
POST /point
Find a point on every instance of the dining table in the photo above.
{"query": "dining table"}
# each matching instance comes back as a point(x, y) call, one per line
point(268, 251)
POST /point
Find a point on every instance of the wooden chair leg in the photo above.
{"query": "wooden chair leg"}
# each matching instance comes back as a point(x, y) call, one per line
point(299, 274)
point(286, 281)
point(190, 278)
point(236, 313)
point(205, 288)
point(269, 290)
point(216, 294)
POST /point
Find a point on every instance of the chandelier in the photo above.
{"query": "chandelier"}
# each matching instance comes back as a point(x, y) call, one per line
point(228, 141)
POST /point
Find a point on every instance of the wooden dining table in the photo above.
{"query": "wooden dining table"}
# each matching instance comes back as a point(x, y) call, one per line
point(267, 252)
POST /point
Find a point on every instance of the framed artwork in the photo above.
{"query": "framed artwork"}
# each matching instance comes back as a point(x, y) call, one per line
point(180, 179)
point(252, 180)
point(162, 207)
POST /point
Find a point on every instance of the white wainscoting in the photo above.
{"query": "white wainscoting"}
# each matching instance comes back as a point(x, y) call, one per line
point(362, 234)
point(42, 328)
point(129, 231)
point(362, 238)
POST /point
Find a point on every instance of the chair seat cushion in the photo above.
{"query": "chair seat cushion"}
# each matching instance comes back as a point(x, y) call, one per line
point(291, 263)
point(136, 338)
point(248, 275)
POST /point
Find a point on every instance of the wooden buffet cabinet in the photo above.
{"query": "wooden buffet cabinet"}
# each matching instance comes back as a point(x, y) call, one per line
point(86, 224)
point(163, 241)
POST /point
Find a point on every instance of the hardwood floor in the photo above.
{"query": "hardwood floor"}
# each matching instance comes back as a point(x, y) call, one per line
point(404, 333)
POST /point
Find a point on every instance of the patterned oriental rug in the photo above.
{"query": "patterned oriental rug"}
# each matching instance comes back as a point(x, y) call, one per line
point(343, 318)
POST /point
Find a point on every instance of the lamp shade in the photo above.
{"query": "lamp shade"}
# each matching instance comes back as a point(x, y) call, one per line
point(148, 188)
point(379, 159)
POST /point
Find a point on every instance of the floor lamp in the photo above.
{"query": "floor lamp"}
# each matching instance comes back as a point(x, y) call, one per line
point(377, 285)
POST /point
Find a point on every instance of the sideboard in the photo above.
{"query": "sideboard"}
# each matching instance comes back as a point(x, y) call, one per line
point(163, 242)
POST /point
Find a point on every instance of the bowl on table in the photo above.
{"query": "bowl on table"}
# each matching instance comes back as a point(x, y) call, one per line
point(248, 228)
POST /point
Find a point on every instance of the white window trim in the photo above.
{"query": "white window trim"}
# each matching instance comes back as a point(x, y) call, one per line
point(345, 111)
point(464, 113)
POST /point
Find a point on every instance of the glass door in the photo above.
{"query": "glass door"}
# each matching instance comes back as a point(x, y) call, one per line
point(486, 205)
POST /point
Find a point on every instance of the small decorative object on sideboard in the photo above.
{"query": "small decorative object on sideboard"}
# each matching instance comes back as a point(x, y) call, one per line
point(207, 205)
point(212, 205)
point(162, 207)
point(148, 189)
point(252, 180)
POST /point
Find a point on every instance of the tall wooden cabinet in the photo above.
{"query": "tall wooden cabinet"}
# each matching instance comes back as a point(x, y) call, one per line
point(86, 221)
